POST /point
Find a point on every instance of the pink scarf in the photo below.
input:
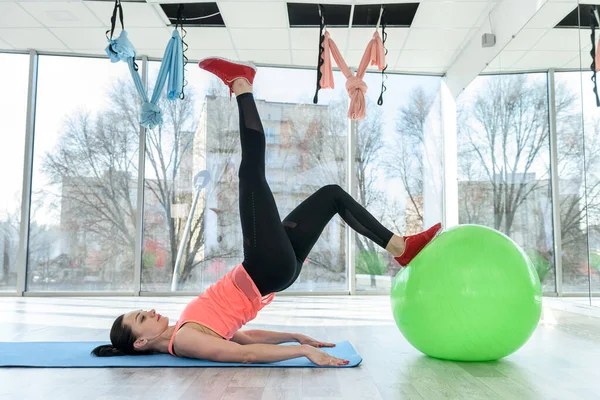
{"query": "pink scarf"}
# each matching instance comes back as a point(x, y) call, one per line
point(355, 86)
point(597, 57)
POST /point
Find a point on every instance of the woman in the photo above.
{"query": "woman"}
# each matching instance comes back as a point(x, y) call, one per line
point(274, 252)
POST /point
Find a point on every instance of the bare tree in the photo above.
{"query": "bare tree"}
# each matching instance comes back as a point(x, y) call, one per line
point(406, 161)
point(503, 138)
point(368, 165)
point(506, 133)
point(95, 164)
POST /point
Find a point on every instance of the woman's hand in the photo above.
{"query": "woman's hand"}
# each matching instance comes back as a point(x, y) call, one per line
point(322, 359)
point(303, 339)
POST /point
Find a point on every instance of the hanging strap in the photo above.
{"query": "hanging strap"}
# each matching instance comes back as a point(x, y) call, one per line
point(321, 50)
point(385, 52)
point(171, 67)
point(113, 19)
point(121, 49)
point(179, 25)
point(593, 52)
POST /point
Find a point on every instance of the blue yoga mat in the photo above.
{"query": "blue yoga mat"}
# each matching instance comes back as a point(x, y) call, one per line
point(77, 355)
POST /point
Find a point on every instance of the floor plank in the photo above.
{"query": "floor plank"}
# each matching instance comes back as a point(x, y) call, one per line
point(560, 361)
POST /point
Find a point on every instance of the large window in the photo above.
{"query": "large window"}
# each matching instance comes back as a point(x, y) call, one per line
point(82, 233)
point(591, 169)
point(578, 155)
point(398, 168)
point(84, 189)
point(14, 70)
point(306, 149)
point(587, 160)
point(503, 163)
point(592, 190)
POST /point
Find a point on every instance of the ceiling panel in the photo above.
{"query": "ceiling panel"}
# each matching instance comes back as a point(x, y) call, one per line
point(304, 38)
point(308, 38)
point(586, 41)
point(13, 16)
point(550, 14)
point(505, 60)
point(353, 58)
point(149, 38)
point(449, 14)
point(576, 63)
point(95, 52)
point(509, 58)
point(525, 39)
point(305, 57)
point(155, 53)
point(258, 30)
point(360, 37)
point(396, 38)
point(267, 39)
point(208, 38)
point(31, 38)
point(4, 45)
point(266, 56)
point(135, 14)
point(419, 71)
point(340, 37)
point(198, 54)
point(544, 59)
point(436, 39)
point(424, 59)
point(63, 14)
point(251, 14)
point(81, 38)
point(559, 40)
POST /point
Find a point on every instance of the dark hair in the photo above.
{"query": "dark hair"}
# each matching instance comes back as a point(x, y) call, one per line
point(122, 340)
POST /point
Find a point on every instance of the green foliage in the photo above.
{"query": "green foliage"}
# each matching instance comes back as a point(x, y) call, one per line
point(595, 261)
point(370, 263)
point(541, 264)
point(148, 260)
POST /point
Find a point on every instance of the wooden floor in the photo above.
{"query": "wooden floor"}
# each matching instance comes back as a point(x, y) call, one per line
point(561, 361)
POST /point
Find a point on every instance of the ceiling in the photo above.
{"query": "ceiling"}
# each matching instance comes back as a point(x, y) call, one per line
point(259, 31)
point(539, 46)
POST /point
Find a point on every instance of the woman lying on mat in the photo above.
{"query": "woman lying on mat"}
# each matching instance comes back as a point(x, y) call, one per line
point(274, 252)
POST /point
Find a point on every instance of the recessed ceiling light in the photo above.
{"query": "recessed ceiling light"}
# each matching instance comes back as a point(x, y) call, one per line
point(61, 15)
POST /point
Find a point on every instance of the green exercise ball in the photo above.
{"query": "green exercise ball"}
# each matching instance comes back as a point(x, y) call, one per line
point(472, 294)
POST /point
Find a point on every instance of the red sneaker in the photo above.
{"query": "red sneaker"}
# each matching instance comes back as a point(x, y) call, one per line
point(228, 71)
point(415, 243)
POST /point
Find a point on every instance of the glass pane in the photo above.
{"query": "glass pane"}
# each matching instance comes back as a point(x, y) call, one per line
point(592, 171)
point(503, 163)
point(572, 169)
point(398, 168)
point(14, 70)
point(82, 228)
point(306, 149)
point(591, 165)
point(589, 162)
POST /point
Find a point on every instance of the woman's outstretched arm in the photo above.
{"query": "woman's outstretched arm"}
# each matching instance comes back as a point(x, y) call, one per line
point(254, 336)
point(193, 344)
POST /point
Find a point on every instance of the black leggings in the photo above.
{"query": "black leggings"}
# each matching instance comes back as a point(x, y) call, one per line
point(274, 251)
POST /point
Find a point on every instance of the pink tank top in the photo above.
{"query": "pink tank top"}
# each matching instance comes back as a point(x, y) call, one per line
point(226, 306)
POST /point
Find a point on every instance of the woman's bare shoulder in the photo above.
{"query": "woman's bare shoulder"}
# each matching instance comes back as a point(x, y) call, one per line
point(194, 343)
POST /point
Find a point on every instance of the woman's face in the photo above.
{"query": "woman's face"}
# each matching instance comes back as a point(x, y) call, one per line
point(146, 324)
